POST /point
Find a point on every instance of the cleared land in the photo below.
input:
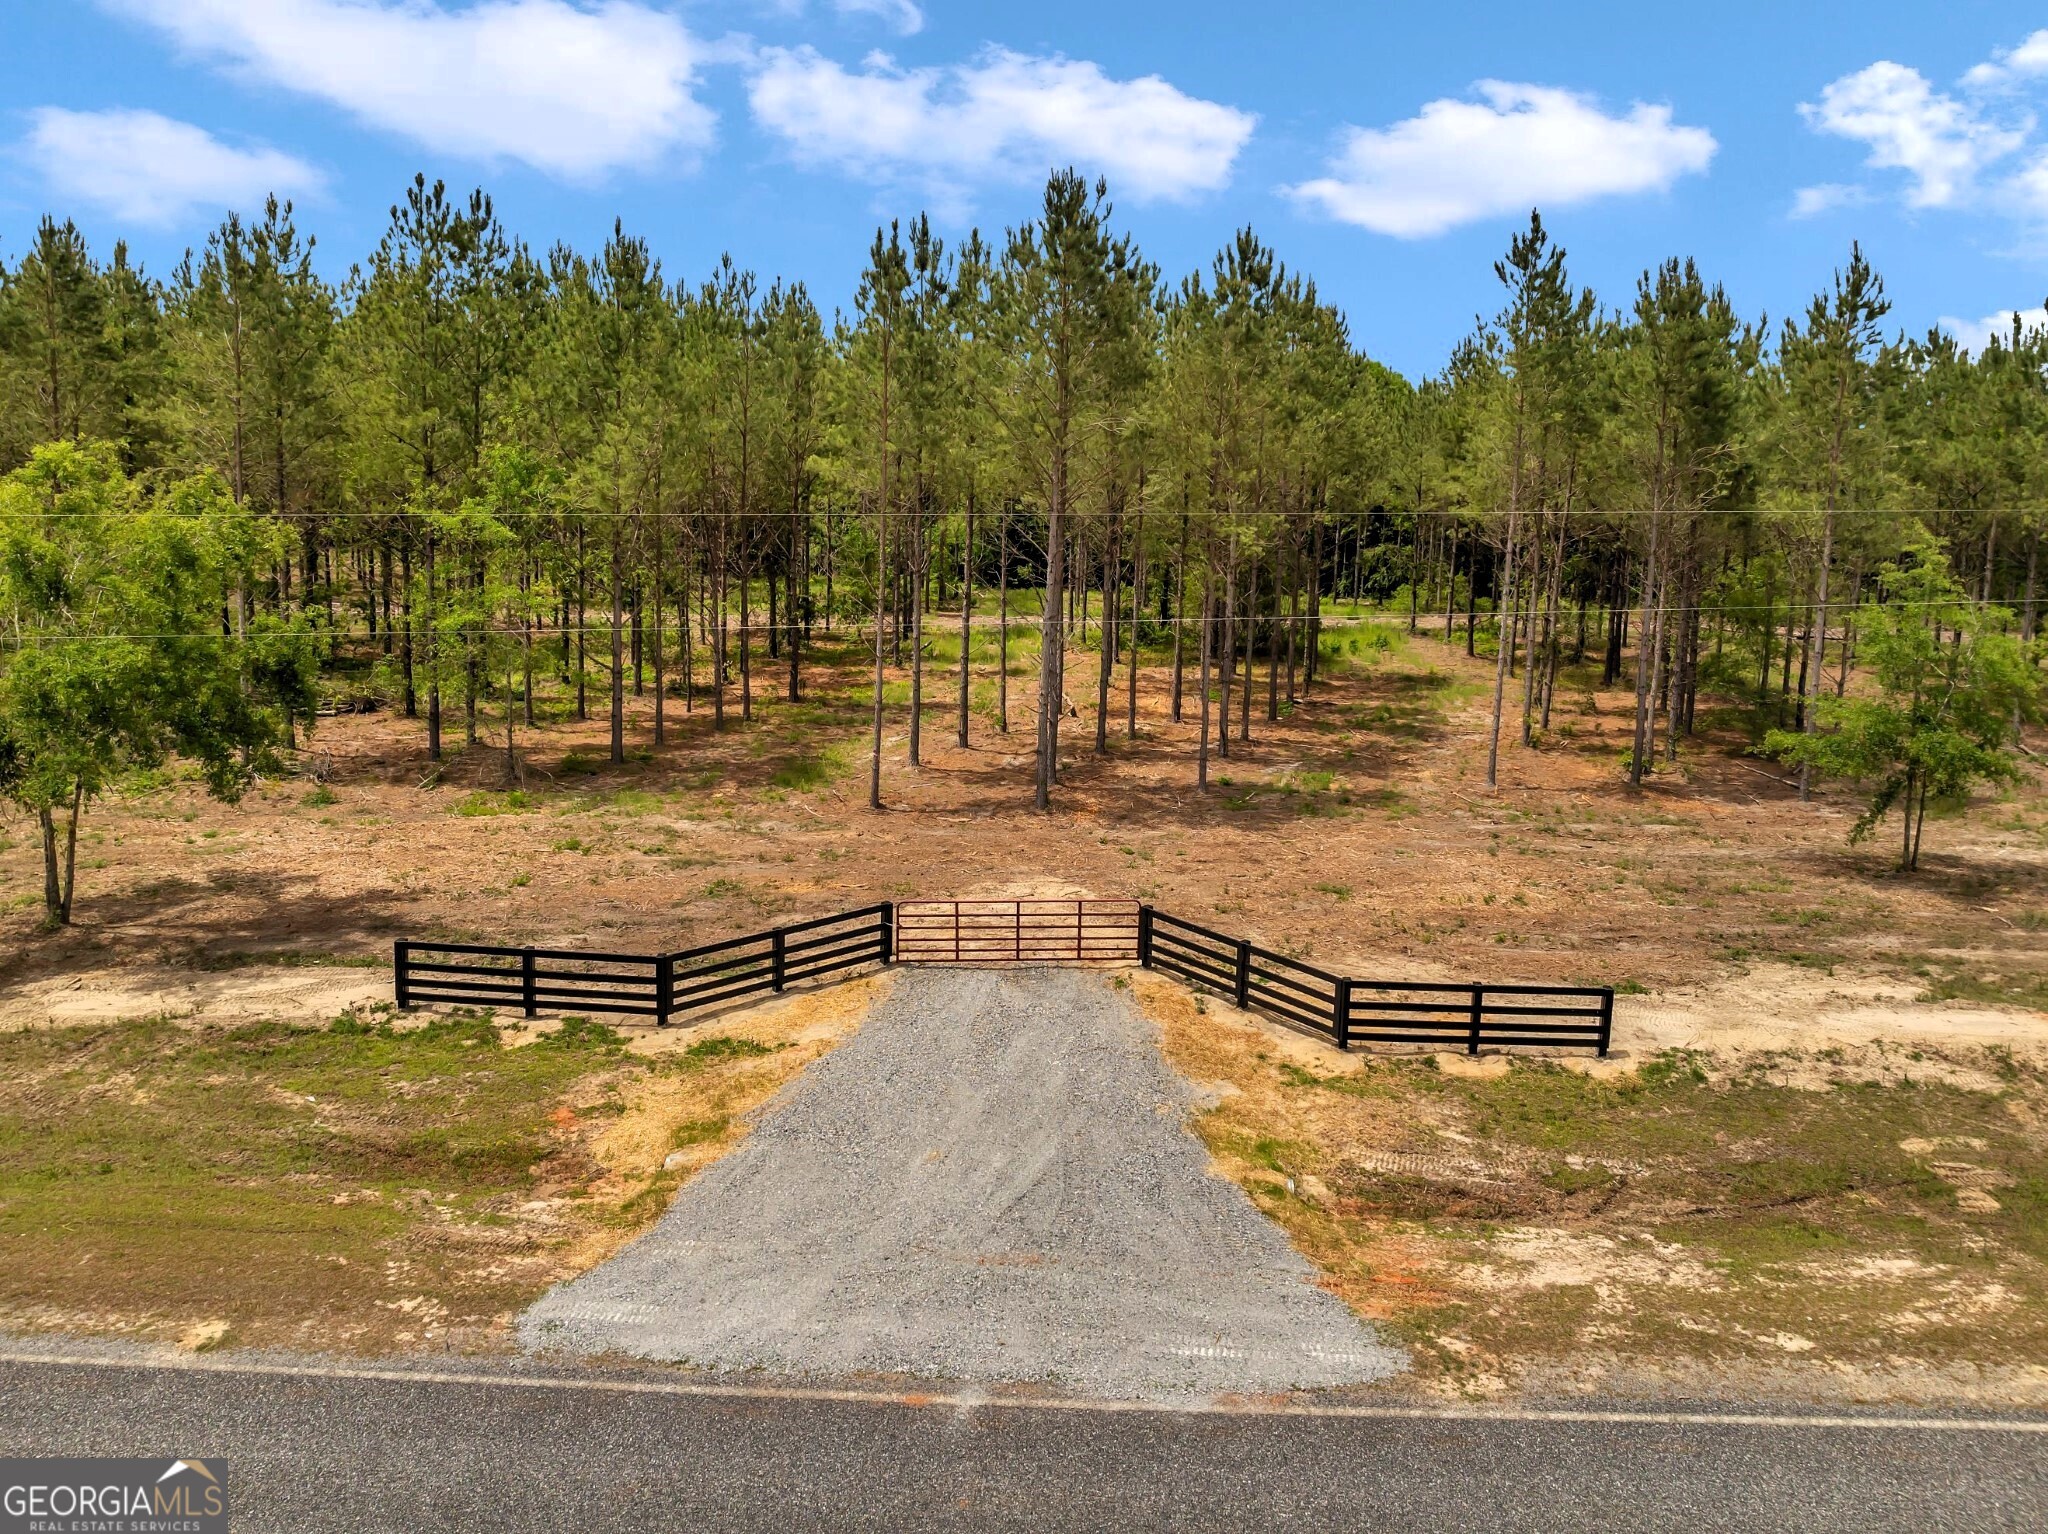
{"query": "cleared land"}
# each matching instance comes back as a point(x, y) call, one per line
point(1356, 830)
point(1802, 1201)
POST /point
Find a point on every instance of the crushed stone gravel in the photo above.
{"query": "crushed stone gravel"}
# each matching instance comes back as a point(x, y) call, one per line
point(992, 1181)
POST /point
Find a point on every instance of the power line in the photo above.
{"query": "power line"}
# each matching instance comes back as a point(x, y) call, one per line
point(1425, 621)
point(1167, 514)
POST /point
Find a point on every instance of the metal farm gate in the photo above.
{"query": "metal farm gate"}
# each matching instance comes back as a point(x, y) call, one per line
point(1035, 931)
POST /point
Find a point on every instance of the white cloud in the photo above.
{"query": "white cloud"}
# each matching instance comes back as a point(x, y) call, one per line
point(1009, 115)
point(152, 169)
point(1813, 201)
point(1942, 142)
point(2008, 66)
point(1519, 146)
point(906, 16)
point(1975, 335)
point(572, 90)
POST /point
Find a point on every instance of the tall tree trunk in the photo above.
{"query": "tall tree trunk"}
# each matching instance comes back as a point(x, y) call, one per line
point(582, 626)
point(1312, 661)
point(798, 605)
point(1251, 632)
point(746, 644)
point(1539, 547)
point(881, 581)
point(1227, 659)
point(1003, 621)
point(966, 617)
point(1052, 638)
point(918, 571)
point(412, 695)
point(618, 637)
point(716, 614)
point(1639, 755)
point(1812, 664)
point(1180, 607)
point(2029, 607)
point(658, 577)
point(881, 609)
point(1107, 638)
point(433, 634)
point(1137, 618)
point(1202, 734)
point(1503, 629)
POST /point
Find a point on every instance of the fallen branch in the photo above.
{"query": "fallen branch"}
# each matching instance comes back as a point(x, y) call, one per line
point(1785, 782)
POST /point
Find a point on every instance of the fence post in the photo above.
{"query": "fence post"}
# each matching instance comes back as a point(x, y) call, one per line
point(1606, 1019)
point(664, 988)
point(888, 932)
point(401, 960)
point(1478, 1006)
point(1341, 1014)
point(1145, 937)
point(776, 954)
point(529, 984)
point(1244, 973)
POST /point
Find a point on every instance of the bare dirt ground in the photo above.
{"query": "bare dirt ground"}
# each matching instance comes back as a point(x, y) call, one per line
point(1356, 831)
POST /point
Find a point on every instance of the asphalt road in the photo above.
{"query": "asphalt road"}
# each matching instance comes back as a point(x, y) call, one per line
point(309, 1452)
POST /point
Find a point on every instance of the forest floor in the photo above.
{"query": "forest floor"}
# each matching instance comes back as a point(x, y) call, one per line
point(1356, 831)
point(1761, 961)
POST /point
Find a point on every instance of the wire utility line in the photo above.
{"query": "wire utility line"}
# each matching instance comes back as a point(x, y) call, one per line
point(1425, 627)
point(1165, 515)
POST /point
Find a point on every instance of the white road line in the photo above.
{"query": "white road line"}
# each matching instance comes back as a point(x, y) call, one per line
point(980, 1402)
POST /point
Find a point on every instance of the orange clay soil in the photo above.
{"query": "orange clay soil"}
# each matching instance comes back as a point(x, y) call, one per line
point(1357, 830)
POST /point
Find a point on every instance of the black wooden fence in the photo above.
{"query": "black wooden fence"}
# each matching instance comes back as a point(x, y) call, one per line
point(660, 986)
point(1344, 1010)
point(1348, 1011)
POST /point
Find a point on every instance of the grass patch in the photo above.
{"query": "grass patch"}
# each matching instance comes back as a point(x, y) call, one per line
point(811, 770)
point(221, 959)
point(244, 1173)
point(2014, 984)
point(484, 803)
point(707, 1051)
point(368, 1185)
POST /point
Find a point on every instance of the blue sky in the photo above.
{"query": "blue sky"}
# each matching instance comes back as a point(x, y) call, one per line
point(1389, 150)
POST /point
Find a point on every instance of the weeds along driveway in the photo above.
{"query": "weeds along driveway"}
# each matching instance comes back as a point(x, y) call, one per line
point(992, 1181)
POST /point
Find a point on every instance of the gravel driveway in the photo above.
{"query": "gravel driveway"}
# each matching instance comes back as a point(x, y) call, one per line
point(991, 1181)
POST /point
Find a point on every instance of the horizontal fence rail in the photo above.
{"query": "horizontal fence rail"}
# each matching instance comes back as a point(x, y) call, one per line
point(1348, 1011)
point(1030, 931)
point(661, 986)
point(1340, 1008)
